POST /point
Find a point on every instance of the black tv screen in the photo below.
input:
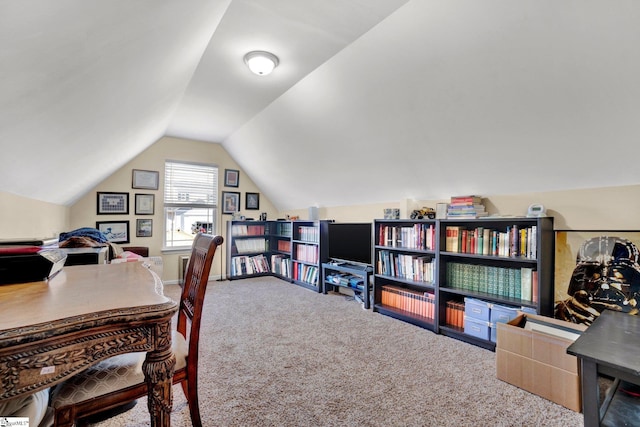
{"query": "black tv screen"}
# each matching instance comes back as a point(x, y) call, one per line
point(350, 242)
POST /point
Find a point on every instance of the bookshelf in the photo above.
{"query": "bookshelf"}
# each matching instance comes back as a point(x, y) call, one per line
point(404, 270)
point(280, 254)
point(289, 250)
point(427, 272)
point(309, 249)
point(506, 262)
point(248, 249)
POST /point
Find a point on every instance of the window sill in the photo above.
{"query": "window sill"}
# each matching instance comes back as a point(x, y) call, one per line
point(178, 250)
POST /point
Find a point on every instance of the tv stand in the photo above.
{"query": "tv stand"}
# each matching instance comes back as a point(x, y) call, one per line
point(351, 276)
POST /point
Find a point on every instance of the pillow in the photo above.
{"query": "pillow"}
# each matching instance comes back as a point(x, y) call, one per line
point(130, 256)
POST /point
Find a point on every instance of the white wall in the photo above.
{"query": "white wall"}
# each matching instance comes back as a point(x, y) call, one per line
point(21, 217)
point(608, 208)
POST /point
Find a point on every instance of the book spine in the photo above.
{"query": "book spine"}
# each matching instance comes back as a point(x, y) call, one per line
point(526, 283)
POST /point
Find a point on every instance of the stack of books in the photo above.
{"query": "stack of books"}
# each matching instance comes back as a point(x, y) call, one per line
point(463, 207)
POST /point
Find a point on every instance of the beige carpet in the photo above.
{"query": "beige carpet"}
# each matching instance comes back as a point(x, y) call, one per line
point(276, 354)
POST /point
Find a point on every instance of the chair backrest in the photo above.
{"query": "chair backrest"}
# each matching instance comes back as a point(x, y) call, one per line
point(195, 285)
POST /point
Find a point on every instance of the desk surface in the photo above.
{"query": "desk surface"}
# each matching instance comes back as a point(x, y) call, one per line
point(612, 340)
point(52, 329)
point(78, 292)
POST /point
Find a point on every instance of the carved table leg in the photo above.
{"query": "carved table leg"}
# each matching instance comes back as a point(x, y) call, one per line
point(158, 371)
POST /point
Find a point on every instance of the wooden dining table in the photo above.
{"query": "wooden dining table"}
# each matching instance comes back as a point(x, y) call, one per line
point(53, 329)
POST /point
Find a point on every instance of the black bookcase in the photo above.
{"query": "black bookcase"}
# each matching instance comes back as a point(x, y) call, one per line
point(462, 273)
point(405, 253)
point(494, 276)
point(248, 249)
point(279, 233)
point(308, 252)
point(291, 250)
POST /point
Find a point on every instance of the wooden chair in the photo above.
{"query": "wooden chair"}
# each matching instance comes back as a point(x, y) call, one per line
point(119, 380)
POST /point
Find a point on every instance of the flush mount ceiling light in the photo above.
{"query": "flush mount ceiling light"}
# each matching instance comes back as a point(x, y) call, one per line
point(260, 62)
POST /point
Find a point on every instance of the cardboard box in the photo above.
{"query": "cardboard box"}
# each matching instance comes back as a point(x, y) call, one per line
point(531, 353)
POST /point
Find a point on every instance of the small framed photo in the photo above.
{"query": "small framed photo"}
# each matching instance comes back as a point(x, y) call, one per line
point(147, 180)
point(230, 202)
point(116, 231)
point(231, 178)
point(145, 204)
point(252, 201)
point(144, 227)
point(110, 203)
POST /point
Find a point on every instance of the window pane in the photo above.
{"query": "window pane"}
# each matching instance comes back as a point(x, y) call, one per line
point(183, 224)
point(190, 202)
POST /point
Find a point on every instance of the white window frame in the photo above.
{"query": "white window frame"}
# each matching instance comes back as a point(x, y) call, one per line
point(188, 186)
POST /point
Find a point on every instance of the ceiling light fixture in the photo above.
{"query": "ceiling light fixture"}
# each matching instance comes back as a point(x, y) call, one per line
point(260, 62)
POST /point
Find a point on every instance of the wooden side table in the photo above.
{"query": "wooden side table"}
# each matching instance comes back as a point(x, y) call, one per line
point(610, 346)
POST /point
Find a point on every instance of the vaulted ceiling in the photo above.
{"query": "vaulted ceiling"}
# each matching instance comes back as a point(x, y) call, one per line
point(373, 100)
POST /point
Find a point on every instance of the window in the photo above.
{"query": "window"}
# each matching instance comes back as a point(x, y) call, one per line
point(190, 202)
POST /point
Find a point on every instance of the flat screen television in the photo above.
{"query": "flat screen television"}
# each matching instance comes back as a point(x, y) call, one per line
point(350, 242)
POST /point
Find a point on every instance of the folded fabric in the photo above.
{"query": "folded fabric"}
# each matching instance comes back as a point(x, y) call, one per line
point(130, 256)
point(80, 242)
point(91, 233)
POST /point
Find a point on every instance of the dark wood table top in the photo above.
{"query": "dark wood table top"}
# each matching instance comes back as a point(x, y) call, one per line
point(613, 340)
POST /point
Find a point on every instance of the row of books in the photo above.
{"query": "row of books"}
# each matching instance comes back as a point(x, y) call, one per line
point(243, 265)
point(466, 207)
point(247, 230)
point(307, 253)
point(519, 283)
point(515, 241)
point(283, 228)
point(454, 313)
point(308, 233)
point(417, 236)
point(281, 264)
point(409, 267)
point(284, 245)
point(305, 273)
point(417, 303)
point(245, 246)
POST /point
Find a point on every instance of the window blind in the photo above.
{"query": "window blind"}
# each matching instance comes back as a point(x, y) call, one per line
point(190, 184)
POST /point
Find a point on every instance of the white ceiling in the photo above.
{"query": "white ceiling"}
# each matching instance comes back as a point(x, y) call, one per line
point(373, 101)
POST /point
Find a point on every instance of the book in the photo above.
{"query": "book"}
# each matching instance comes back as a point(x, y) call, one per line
point(526, 274)
point(466, 207)
point(469, 200)
point(452, 236)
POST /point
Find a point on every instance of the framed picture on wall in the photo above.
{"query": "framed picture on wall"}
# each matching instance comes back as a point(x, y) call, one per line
point(147, 180)
point(596, 270)
point(110, 203)
point(231, 178)
point(145, 204)
point(144, 227)
point(230, 202)
point(252, 201)
point(116, 231)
